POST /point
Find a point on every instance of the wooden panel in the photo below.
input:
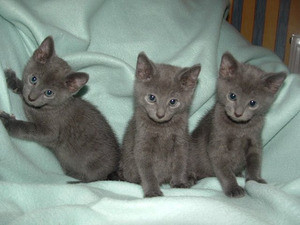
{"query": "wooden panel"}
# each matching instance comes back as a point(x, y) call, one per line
point(259, 22)
point(272, 10)
point(237, 12)
point(281, 32)
point(293, 26)
point(229, 19)
point(248, 19)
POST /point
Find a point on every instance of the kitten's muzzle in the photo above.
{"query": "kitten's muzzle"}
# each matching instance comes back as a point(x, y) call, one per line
point(160, 115)
point(238, 114)
point(31, 99)
point(160, 112)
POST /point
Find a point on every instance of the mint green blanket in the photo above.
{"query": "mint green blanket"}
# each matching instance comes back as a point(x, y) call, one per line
point(103, 38)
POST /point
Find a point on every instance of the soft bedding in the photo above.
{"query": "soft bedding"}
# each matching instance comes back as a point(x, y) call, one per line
point(103, 38)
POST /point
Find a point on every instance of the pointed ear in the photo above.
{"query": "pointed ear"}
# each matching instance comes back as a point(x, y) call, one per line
point(228, 66)
point(189, 76)
point(273, 81)
point(144, 68)
point(45, 51)
point(75, 81)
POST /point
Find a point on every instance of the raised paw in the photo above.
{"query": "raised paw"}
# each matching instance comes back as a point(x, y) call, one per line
point(235, 192)
point(12, 81)
point(153, 193)
point(5, 117)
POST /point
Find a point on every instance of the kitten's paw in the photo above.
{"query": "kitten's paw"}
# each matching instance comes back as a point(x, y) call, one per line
point(192, 181)
point(235, 192)
point(5, 117)
point(12, 80)
point(153, 193)
point(259, 180)
point(181, 185)
point(175, 183)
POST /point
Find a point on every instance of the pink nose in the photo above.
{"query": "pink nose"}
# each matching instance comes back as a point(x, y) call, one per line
point(30, 99)
point(159, 116)
point(237, 115)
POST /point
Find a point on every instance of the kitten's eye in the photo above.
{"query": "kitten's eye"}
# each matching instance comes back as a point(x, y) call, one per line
point(173, 102)
point(49, 93)
point(252, 103)
point(232, 96)
point(33, 80)
point(152, 98)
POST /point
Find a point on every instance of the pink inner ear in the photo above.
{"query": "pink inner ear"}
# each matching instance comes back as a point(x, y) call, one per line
point(41, 56)
point(227, 71)
point(144, 73)
point(75, 84)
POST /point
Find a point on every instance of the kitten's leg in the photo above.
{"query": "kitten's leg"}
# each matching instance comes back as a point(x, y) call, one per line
point(253, 163)
point(221, 166)
point(13, 82)
point(143, 159)
point(179, 175)
point(25, 130)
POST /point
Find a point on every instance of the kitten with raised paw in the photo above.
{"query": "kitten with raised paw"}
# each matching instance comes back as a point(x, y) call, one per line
point(156, 142)
point(228, 139)
point(76, 132)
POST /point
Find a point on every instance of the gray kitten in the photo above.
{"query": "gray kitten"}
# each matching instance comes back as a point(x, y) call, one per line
point(228, 139)
point(156, 143)
point(72, 128)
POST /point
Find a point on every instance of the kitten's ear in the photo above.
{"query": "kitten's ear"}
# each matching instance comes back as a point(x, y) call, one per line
point(144, 68)
point(45, 51)
point(228, 66)
point(273, 81)
point(189, 76)
point(75, 81)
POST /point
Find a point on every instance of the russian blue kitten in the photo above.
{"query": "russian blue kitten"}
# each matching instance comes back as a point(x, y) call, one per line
point(156, 142)
point(72, 128)
point(228, 139)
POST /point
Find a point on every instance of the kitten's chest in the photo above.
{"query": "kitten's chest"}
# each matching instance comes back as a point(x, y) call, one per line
point(49, 120)
point(35, 114)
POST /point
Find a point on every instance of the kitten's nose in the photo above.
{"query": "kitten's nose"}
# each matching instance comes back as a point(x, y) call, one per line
point(160, 115)
point(238, 114)
point(30, 99)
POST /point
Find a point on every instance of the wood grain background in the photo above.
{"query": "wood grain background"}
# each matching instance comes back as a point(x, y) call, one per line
point(267, 23)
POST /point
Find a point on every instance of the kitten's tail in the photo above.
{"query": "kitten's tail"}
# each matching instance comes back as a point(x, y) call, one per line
point(76, 182)
point(112, 176)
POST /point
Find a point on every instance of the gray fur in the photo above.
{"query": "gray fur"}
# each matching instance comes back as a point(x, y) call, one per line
point(155, 145)
point(72, 128)
point(228, 139)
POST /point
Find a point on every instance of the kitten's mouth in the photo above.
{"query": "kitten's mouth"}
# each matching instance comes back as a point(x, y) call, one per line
point(234, 120)
point(32, 105)
point(160, 120)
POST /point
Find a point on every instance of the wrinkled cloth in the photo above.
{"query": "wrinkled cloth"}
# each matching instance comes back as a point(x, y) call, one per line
point(103, 38)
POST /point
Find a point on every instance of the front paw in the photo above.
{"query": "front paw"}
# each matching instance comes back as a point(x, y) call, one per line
point(257, 179)
point(175, 183)
point(5, 117)
point(153, 193)
point(235, 192)
point(12, 80)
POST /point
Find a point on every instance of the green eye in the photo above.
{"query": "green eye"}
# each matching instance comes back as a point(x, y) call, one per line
point(232, 96)
point(252, 103)
point(173, 102)
point(49, 93)
point(152, 98)
point(33, 80)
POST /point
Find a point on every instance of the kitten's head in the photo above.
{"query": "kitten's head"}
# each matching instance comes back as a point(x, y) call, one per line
point(48, 79)
point(245, 90)
point(164, 90)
